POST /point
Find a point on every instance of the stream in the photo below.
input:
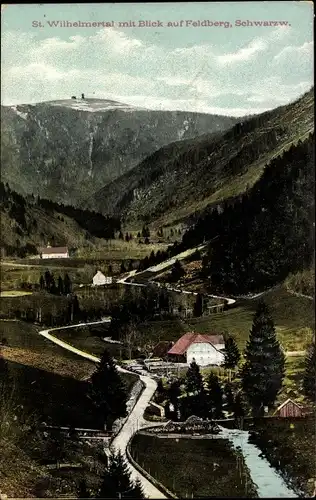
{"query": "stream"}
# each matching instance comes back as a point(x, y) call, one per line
point(269, 483)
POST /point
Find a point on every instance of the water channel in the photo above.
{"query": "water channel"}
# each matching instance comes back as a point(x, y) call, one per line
point(269, 483)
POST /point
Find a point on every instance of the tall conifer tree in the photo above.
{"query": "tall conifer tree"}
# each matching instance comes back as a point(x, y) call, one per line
point(108, 391)
point(194, 380)
point(263, 372)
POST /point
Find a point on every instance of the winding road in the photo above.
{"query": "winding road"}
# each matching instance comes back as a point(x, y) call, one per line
point(135, 420)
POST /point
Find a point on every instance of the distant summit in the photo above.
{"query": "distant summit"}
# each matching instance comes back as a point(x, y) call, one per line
point(67, 149)
point(90, 104)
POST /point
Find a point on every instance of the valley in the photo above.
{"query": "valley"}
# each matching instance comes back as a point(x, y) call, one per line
point(157, 326)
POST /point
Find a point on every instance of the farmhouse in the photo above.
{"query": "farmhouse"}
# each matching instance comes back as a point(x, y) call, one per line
point(54, 252)
point(204, 349)
point(100, 279)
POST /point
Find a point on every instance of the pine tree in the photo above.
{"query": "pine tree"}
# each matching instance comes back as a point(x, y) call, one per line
point(47, 277)
point(232, 354)
point(177, 271)
point(137, 491)
point(160, 391)
point(52, 288)
point(60, 286)
point(309, 381)
point(145, 232)
point(215, 396)
point(263, 372)
point(67, 285)
point(42, 283)
point(108, 391)
point(198, 306)
point(229, 397)
point(116, 481)
point(239, 407)
point(193, 379)
point(174, 392)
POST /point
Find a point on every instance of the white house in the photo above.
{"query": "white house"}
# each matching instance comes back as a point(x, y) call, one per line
point(203, 349)
point(54, 253)
point(100, 279)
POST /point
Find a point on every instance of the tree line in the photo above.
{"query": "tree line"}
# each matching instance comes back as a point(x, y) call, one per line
point(268, 232)
point(63, 286)
point(19, 209)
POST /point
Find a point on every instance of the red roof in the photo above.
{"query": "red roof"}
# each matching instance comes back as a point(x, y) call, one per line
point(182, 345)
point(54, 250)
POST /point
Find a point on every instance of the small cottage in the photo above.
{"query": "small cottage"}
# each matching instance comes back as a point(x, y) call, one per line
point(54, 253)
point(100, 279)
point(290, 409)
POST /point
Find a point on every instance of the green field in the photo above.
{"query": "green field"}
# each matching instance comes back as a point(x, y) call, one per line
point(89, 339)
point(194, 468)
point(293, 317)
point(14, 293)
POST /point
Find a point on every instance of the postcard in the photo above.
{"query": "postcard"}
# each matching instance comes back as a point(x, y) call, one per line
point(157, 327)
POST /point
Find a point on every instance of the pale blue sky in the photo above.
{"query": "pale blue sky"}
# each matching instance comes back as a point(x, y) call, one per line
point(236, 70)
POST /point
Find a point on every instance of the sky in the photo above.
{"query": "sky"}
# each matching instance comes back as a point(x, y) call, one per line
point(231, 68)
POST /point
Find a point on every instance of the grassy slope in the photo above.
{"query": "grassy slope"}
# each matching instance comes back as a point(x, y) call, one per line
point(58, 375)
point(186, 177)
point(48, 226)
point(293, 317)
point(193, 467)
point(18, 473)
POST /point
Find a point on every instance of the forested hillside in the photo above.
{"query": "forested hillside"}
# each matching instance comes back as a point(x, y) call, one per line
point(28, 223)
point(180, 181)
point(269, 232)
point(259, 238)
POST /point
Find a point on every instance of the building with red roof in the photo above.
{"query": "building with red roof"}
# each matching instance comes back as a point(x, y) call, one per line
point(203, 349)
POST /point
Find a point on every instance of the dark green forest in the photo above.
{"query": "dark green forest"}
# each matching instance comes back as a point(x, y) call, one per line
point(20, 210)
point(260, 237)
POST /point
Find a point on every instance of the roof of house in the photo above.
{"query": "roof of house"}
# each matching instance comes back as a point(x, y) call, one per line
point(287, 402)
point(54, 250)
point(182, 345)
point(99, 273)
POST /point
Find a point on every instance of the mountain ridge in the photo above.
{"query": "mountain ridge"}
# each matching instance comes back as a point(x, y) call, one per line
point(184, 178)
point(61, 150)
